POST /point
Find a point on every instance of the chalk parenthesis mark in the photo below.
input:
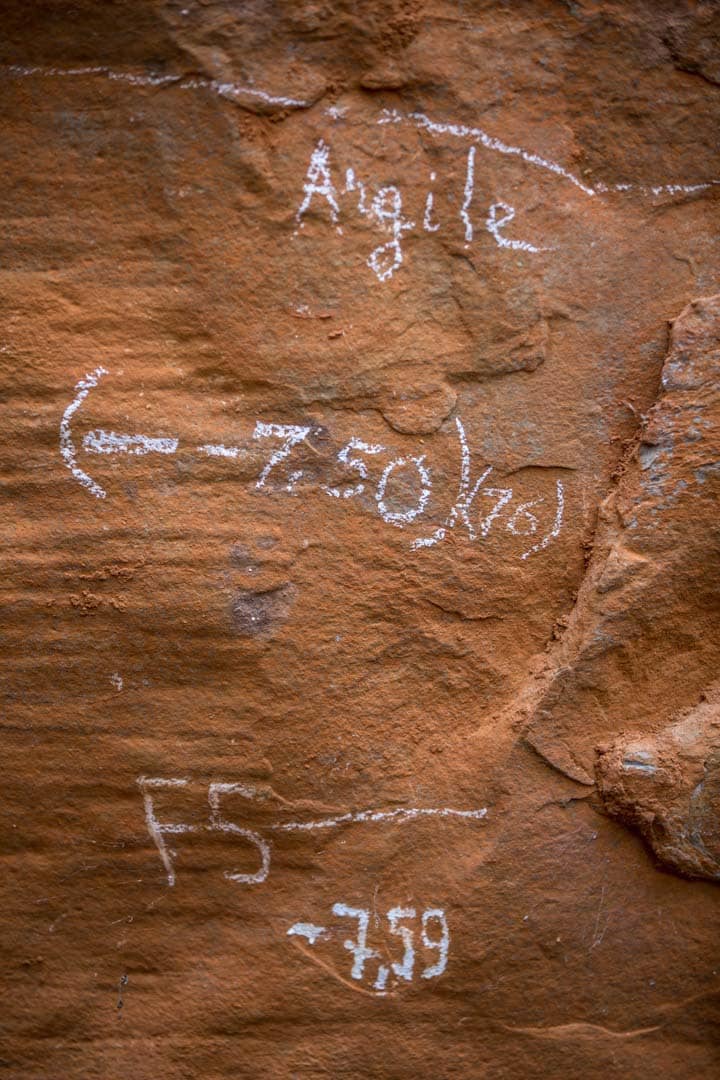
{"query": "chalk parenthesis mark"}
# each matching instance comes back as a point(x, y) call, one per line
point(465, 496)
point(67, 446)
point(557, 523)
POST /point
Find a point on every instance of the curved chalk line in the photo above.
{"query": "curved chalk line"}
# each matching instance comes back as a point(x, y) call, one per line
point(67, 446)
point(388, 116)
point(462, 131)
point(183, 82)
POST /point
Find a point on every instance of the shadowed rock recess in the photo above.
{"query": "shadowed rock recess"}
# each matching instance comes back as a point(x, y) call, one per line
point(361, 547)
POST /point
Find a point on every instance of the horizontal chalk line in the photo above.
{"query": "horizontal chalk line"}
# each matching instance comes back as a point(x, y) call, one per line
point(398, 816)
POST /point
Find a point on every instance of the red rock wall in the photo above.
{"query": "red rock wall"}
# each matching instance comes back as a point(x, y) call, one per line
point(361, 462)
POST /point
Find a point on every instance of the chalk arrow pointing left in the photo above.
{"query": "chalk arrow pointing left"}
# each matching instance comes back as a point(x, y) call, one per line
point(102, 442)
point(307, 930)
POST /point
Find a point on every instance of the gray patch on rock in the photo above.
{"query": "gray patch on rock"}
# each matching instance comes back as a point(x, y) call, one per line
point(261, 614)
point(667, 785)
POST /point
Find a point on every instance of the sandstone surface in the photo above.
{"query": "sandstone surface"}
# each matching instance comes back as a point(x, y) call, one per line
point(361, 456)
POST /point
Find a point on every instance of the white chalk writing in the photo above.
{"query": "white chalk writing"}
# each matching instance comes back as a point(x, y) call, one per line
point(107, 442)
point(490, 142)
point(217, 821)
point(308, 931)
point(495, 224)
point(428, 224)
point(557, 524)
point(319, 182)
point(386, 209)
point(405, 472)
point(290, 434)
point(468, 194)
point(401, 518)
point(150, 787)
point(386, 206)
point(237, 91)
point(234, 91)
point(67, 447)
point(401, 924)
point(218, 450)
point(354, 463)
point(461, 506)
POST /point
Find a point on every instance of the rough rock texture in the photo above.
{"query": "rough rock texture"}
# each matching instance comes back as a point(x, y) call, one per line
point(645, 628)
point(361, 455)
point(668, 785)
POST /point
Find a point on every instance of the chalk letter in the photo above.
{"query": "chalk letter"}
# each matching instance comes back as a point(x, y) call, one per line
point(494, 224)
point(319, 182)
point(158, 829)
point(215, 792)
point(468, 194)
point(387, 206)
